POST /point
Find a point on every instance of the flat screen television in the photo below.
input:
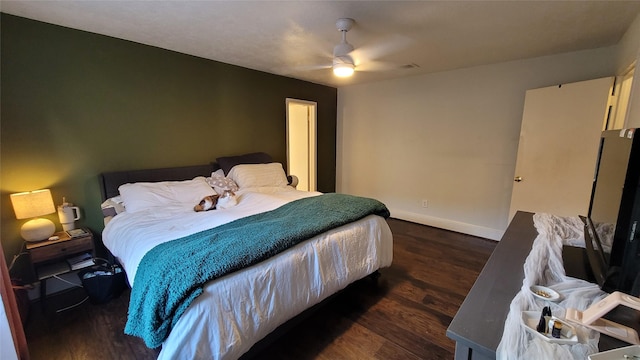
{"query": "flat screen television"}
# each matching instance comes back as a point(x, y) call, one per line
point(614, 213)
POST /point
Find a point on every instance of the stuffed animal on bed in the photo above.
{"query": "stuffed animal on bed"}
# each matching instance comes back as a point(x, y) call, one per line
point(208, 203)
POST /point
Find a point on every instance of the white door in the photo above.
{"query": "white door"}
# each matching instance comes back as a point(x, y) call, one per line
point(301, 142)
point(559, 141)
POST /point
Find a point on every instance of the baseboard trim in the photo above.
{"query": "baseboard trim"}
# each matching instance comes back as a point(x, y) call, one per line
point(465, 228)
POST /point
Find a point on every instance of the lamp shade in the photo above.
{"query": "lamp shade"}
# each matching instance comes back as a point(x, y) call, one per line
point(29, 205)
point(32, 204)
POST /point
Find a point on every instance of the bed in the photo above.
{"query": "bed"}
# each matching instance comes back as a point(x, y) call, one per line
point(231, 312)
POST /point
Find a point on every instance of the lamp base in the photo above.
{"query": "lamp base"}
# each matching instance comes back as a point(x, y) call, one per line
point(38, 229)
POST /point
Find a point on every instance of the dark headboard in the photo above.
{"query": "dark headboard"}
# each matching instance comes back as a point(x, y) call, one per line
point(110, 181)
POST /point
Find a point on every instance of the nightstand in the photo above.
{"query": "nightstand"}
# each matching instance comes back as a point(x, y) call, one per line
point(48, 257)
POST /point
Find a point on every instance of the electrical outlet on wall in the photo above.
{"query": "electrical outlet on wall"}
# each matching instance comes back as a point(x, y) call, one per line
point(425, 203)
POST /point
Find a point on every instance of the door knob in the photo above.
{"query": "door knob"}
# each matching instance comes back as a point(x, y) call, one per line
point(517, 179)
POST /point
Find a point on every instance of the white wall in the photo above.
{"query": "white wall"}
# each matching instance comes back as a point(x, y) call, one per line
point(629, 47)
point(628, 52)
point(450, 138)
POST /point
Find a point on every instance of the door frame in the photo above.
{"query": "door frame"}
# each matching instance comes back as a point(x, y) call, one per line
point(621, 98)
point(312, 108)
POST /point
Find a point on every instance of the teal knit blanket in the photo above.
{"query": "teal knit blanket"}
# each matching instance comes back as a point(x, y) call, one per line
point(173, 274)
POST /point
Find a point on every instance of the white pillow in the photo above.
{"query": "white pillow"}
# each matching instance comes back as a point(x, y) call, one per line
point(140, 196)
point(258, 175)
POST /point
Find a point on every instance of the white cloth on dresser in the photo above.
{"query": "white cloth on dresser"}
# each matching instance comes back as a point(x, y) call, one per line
point(544, 266)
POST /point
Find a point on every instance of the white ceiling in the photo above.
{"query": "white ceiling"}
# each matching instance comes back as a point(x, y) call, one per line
point(292, 37)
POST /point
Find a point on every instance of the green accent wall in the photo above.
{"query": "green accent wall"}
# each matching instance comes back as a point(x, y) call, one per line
point(75, 104)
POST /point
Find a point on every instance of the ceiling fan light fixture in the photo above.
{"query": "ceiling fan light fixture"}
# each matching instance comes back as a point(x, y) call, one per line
point(343, 69)
point(343, 65)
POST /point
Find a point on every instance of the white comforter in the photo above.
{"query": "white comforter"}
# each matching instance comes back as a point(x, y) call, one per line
point(237, 310)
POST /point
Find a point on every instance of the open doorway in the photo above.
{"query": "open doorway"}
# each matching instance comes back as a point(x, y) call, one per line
point(301, 142)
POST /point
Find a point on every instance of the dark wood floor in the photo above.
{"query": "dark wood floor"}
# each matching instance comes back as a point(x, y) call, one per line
point(403, 316)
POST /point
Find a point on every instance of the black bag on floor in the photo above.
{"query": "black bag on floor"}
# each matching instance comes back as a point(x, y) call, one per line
point(103, 281)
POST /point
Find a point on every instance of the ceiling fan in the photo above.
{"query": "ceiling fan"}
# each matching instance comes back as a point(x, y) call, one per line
point(346, 59)
point(343, 64)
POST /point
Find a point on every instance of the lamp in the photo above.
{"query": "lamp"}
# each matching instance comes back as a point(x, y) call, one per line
point(32, 204)
point(343, 69)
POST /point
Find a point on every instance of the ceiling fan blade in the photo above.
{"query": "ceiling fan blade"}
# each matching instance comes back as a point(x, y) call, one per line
point(297, 69)
point(298, 37)
point(378, 66)
point(311, 67)
point(380, 48)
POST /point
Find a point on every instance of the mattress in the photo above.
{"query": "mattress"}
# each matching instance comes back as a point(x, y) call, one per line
point(236, 311)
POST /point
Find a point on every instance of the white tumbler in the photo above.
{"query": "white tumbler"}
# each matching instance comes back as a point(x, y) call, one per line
point(68, 214)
